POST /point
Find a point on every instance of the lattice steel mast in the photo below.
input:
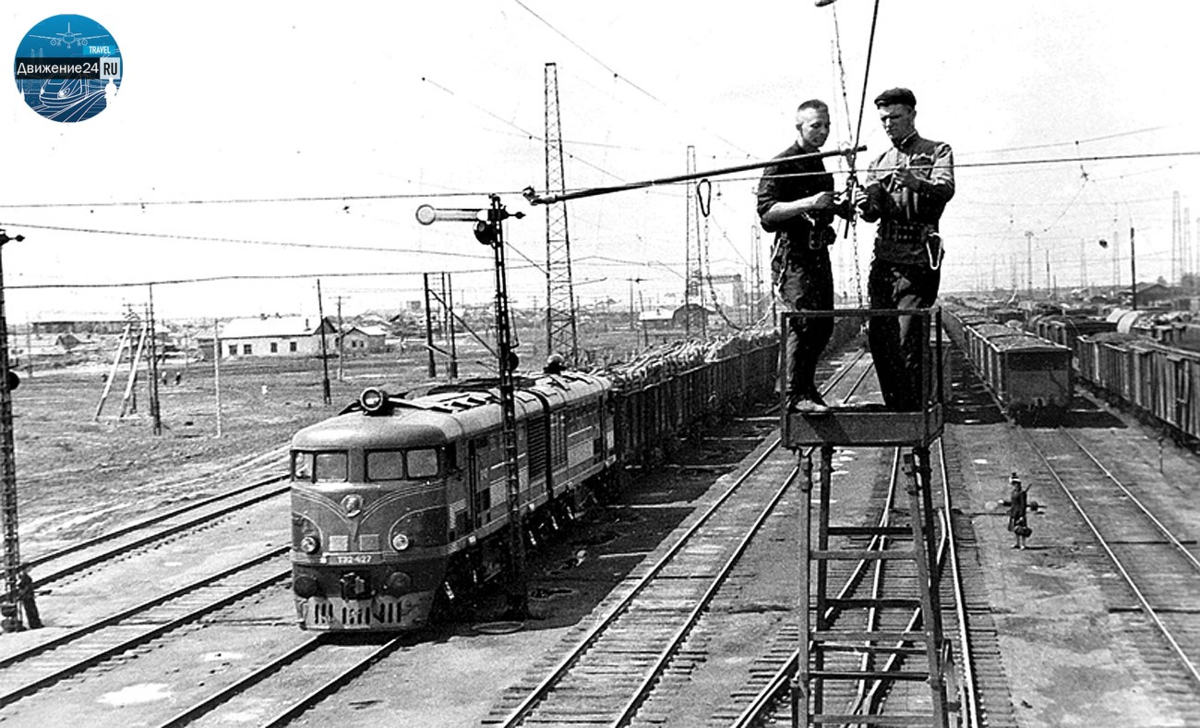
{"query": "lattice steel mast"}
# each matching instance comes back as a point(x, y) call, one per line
point(694, 265)
point(560, 292)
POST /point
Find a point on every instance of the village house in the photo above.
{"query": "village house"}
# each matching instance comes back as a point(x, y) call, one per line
point(271, 336)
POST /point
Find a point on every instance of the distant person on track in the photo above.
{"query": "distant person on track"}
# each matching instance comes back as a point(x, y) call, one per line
point(1018, 512)
point(906, 191)
point(25, 597)
point(796, 201)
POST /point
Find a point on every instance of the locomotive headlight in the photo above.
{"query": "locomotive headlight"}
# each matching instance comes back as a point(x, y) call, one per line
point(373, 399)
point(310, 544)
point(400, 541)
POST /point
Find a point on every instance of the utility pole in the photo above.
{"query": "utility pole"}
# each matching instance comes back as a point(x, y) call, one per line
point(1049, 286)
point(328, 398)
point(561, 333)
point(10, 620)
point(1176, 239)
point(444, 298)
point(155, 411)
point(1132, 271)
point(1029, 261)
point(1116, 262)
point(1083, 283)
point(217, 371)
point(756, 271)
point(341, 342)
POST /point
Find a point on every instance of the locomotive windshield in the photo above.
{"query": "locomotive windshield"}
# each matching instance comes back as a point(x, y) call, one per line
point(385, 465)
point(319, 466)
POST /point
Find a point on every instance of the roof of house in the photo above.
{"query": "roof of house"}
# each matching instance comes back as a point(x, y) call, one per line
point(369, 330)
point(275, 326)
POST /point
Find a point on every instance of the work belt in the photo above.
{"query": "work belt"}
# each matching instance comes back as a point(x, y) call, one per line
point(813, 238)
point(917, 235)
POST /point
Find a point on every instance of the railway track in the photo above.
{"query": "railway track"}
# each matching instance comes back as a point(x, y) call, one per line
point(149, 531)
point(1159, 571)
point(70, 654)
point(616, 664)
point(297, 680)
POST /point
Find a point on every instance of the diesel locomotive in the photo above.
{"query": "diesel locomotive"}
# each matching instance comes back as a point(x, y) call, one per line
point(398, 502)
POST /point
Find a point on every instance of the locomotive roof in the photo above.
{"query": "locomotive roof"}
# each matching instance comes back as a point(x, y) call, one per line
point(440, 418)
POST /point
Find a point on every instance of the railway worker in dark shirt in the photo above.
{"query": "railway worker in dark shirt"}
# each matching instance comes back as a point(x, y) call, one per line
point(1018, 512)
point(25, 597)
point(906, 190)
point(796, 201)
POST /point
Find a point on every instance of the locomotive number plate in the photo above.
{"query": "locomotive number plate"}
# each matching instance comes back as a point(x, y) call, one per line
point(357, 559)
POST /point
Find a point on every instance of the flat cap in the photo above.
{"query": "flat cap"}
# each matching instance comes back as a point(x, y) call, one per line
point(896, 96)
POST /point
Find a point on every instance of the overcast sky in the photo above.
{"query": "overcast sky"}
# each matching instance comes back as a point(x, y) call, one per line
point(329, 123)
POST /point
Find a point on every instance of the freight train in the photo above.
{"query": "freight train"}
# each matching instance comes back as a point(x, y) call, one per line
point(1153, 372)
point(399, 505)
point(1030, 377)
point(1159, 382)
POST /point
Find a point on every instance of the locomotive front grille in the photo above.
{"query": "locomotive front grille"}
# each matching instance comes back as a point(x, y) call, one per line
point(382, 612)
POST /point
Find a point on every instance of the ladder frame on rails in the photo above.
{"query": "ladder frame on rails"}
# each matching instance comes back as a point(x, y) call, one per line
point(854, 426)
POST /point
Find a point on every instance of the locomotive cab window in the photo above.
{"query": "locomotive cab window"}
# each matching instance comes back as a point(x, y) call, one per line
point(422, 463)
point(320, 466)
point(385, 465)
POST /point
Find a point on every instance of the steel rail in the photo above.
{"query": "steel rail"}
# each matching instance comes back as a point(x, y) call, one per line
point(156, 536)
point(104, 654)
point(947, 550)
point(86, 629)
point(1141, 506)
point(332, 685)
point(780, 681)
point(523, 708)
point(872, 620)
point(212, 701)
point(693, 617)
point(970, 710)
point(1147, 608)
point(150, 521)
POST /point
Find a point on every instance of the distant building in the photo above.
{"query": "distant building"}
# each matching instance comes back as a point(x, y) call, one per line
point(667, 324)
point(80, 326)
point(364, 340)
point(1148, 293)
point(271, 336)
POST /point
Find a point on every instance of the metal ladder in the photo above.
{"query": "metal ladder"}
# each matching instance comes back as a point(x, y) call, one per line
point(818, 641)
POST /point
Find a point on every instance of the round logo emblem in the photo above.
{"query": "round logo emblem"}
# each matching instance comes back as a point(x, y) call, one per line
point(68, 68)
point(352, 505)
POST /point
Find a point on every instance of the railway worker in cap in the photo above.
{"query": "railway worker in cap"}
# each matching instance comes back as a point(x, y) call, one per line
point(906, 190)
point(796, 201)
point(1018, 511)
point(25, 597)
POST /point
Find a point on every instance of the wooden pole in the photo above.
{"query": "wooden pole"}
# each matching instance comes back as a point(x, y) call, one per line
point(112, 372)
point(133, 368)
point(341, 343)
point(328, 399)
point(217, 371)
point(155, 413)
